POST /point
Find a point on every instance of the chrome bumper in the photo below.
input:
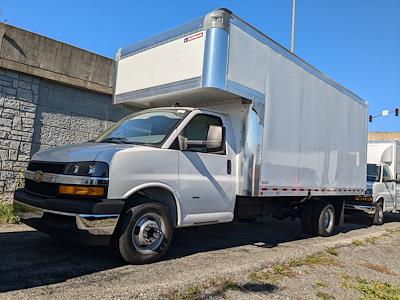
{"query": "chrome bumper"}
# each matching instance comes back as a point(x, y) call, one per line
point(93, 224)
point(368, 209)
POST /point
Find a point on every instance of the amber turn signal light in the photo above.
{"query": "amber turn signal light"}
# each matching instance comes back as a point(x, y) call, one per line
point(81, 190)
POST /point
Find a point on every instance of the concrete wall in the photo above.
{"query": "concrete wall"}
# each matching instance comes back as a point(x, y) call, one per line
point(30, 53)
point(66, 115)
point(51, 94)
point(36, 113)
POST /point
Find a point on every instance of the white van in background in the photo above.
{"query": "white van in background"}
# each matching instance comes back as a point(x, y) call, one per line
point(383, 181)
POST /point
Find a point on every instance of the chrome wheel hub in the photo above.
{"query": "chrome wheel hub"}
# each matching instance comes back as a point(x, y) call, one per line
point(148, 232)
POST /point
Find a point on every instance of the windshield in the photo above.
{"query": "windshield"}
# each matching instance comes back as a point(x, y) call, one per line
point(373, 172)
point(148, 127)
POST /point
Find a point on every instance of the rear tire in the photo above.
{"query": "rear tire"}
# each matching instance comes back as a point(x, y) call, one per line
point(146, 233)
point(378, 218)
point(323, 221)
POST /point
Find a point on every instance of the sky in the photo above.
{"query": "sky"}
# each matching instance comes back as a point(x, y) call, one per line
point(355, 42)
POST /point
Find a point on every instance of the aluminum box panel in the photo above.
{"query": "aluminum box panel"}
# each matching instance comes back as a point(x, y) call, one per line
point(177, 62)
point(247, 60)
point(314, 136)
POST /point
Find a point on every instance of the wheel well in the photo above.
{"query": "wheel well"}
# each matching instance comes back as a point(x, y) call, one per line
point(154, 194)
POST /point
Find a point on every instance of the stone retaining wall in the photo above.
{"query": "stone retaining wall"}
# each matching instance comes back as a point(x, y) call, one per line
point(18, 98)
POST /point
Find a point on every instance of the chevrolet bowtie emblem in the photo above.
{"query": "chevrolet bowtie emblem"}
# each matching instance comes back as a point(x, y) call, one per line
point(38, 176)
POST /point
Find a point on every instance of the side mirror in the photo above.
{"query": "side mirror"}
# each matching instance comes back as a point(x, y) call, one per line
point(215, 138)
point(387, 179)
point(214, 143)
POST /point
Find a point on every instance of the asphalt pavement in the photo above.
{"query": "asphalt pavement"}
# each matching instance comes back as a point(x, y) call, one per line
point(34, 266)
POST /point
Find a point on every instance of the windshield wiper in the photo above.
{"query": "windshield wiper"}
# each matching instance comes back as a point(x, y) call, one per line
point(121, 140)
point(117, 140)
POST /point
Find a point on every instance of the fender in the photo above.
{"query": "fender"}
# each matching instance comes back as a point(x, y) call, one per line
point(158, 185)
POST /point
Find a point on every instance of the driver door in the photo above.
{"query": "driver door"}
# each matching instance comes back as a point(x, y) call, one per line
point(206, 179)
point(390, 192)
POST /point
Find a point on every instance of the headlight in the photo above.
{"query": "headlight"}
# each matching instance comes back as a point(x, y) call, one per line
point(87, 168)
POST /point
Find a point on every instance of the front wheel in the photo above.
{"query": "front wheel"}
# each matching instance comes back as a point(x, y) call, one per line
point(378, 218)
point(146, 233)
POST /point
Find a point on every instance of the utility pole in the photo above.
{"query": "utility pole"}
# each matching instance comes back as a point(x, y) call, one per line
point(293, 24)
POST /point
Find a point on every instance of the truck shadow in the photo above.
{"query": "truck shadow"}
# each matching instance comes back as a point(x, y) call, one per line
point(31, 259)
point(266, 233)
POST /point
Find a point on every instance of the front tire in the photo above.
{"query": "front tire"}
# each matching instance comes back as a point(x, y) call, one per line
point(378, 218)
point(146, 233)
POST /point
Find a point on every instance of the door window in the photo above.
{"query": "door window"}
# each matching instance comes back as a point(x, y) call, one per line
point(373, 172)
point(197, 129)
point(386, 173)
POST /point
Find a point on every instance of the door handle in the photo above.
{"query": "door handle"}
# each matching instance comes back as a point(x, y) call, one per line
point(229, 166)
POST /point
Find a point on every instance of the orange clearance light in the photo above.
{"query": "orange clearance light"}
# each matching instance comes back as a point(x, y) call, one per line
point(81, 190)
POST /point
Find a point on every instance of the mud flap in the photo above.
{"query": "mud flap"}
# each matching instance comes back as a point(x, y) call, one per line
point(339, 211)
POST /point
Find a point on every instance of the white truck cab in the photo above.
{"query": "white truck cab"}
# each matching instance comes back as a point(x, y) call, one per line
point(234, 126)
point(383, 182)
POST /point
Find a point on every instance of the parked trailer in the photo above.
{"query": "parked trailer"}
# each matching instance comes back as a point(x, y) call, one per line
point(383, 182)
point(236, 127)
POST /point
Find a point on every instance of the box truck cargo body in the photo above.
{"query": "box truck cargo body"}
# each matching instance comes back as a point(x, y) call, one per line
point(234, 126)
point(383, 182)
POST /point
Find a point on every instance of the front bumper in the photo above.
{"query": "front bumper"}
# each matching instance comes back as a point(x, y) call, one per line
point(82, 221)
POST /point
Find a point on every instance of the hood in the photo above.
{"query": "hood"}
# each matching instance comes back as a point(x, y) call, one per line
point(79, 152)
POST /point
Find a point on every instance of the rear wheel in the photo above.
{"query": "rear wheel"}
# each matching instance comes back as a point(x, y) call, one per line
point(318, 218)
point(146, 233)
point(323, 222)
point(378, 218)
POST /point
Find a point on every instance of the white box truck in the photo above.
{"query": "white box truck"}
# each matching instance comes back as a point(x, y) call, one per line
point(235, 127)
point(383, 182)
